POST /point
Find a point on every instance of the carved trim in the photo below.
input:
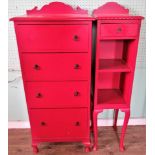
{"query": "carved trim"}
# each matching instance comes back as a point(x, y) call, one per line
point(56, 8)
point(110, 8)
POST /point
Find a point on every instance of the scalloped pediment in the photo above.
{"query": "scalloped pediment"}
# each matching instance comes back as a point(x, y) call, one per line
point(56, 8)
point(111, 8)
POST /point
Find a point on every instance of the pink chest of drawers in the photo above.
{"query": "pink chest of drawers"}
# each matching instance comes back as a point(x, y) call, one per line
point(55, 54)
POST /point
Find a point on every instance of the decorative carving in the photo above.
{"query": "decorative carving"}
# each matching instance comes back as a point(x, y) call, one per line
point(56, 8)
point(111, 8)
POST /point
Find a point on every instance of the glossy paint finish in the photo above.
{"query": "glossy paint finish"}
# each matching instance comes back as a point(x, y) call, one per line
point(57, 66)
point(62, 37)
point(116, 51)
point(55, 54)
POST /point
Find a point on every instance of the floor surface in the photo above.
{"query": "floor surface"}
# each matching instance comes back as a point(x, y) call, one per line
point(135, 143)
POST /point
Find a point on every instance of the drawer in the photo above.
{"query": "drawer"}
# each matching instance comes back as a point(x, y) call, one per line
point(53, 38)
point(57, 94)
point(119, 31)
point(49, 67)
point(58, 124)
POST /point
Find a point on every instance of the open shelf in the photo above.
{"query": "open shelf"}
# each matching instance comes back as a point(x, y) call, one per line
point(113, 65)
point(110, 97)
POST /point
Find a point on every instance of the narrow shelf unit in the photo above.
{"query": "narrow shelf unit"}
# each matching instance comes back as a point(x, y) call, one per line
point(114, 70)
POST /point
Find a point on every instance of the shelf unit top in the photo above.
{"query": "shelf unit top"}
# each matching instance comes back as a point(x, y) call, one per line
point(113, 10)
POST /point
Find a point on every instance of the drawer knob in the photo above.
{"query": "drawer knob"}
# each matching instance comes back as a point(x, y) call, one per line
point(76, 93)
point(43, 123)
point(76, 37)
point(38, 95)
point(36, 67)
point(119, 29)
point(76, 66)
point(77, 123)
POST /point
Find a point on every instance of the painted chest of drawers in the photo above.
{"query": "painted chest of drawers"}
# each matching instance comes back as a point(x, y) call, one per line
point(54, 46)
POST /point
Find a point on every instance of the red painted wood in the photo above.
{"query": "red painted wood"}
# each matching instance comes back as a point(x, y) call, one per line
point(116, 51)
point(62, 37)
point(57, 94)
point(113, 65)
point(55, 11)
point(108, 80)
point(56, 8)
point(119, 30)
point(56, 67)
point(110, 8)
point(49, 124)
point(54, 46)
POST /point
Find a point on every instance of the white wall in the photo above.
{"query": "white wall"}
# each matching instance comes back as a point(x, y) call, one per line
point(17, 103)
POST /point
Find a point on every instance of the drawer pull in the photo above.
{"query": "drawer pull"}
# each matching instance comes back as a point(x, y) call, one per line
point(77, 123)
point(43, 123)
point(119, 29)
point(76, 66)
point(38, 95)
point(36, 67)
point(76, 38)
point(76, 93)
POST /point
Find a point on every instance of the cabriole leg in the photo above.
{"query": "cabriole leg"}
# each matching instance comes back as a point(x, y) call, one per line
point(115, 119)
point(95, 130)
point(126, 119)
point(35, 148)
point(87, 146)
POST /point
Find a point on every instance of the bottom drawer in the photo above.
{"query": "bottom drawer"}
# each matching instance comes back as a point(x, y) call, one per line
point(59, 124)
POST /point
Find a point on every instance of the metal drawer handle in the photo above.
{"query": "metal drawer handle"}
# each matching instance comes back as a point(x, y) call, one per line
point(76, 37)
point(77, 123)
point(38, 95)
point(76, 93)
point(36, 67)
point(119, 29)
point(43, 123)
point(76, 66)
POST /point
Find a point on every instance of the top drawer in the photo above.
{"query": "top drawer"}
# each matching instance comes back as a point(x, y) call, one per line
point(118, 31)
point(52, 38)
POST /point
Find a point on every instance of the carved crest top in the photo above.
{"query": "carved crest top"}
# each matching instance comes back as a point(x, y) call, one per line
point(113, 10)
point(56, 8)
point(55, 11)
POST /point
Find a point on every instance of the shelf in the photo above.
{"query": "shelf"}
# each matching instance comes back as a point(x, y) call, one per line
point(110, 97)
point(113, 65)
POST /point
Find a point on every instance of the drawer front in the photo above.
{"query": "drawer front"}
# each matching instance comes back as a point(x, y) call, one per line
point(59, 123)
point(119, 30)
point(53, 38)
point(48, 67)
point(57, 94)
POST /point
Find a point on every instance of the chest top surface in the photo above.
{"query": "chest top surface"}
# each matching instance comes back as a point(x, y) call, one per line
point(113, 10)
point(54, 11)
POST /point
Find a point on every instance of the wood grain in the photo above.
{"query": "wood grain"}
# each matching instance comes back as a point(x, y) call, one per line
point(135, 143)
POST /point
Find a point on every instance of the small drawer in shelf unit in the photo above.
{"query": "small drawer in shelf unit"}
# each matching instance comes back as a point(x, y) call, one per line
point(118, 31)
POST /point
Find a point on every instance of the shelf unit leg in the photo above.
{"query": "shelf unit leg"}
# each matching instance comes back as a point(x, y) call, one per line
point(115, 119)
point(126, 119)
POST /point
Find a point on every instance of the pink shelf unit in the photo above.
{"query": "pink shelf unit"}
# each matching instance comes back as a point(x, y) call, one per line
point(116, 51)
